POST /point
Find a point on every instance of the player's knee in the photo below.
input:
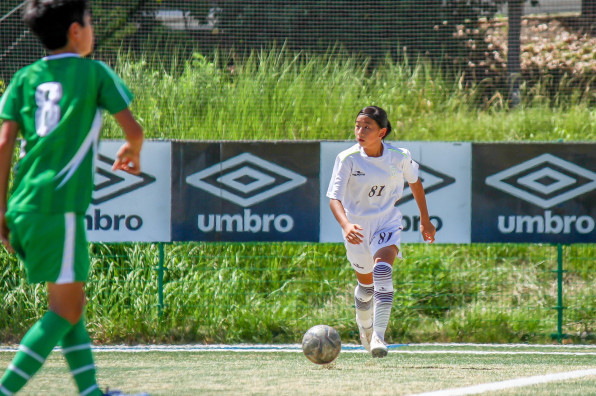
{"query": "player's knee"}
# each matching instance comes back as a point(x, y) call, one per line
point(72, 311)
point(386, 255)
point(364, 293)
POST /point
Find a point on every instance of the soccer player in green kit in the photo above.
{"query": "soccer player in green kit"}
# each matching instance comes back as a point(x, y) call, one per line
point(56, 104)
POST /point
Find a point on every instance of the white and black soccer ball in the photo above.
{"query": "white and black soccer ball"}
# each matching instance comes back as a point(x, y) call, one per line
point(321, 344)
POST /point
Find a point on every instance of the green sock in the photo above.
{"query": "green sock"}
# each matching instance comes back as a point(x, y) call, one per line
point(76, 347)
point(35, 347)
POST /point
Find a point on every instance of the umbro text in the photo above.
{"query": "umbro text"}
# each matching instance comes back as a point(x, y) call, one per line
point(245, 222)
point(546, 224)
point(115, 222)
point(413, 223)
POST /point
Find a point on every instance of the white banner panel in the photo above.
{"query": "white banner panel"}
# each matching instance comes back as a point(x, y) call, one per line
point(446, 176)
point(131, 208)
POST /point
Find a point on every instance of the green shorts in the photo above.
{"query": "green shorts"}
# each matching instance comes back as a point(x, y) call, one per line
point(53, 247)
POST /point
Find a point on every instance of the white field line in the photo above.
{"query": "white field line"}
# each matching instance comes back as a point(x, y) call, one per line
point(346, 348)
point(463, 344)
point(562, 353)
point(514, 383)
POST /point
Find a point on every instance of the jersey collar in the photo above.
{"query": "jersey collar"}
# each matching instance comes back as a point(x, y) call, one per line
point(60, 56)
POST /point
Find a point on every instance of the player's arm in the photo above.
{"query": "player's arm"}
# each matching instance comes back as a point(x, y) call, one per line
point(426, 227)
point(128, 157)
point(8, 136)
point(351, 231)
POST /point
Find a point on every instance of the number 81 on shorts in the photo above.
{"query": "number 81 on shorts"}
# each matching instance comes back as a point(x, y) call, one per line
point(385, 238)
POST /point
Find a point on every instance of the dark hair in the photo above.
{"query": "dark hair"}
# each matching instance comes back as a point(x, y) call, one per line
point(50, 20)
point(378, 115)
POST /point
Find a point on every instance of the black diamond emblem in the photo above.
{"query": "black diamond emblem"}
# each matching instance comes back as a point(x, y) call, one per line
point(109, 185)
point(432, 180)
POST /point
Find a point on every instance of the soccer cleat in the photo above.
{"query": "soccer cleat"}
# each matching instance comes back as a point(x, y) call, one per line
point(378, 349)
point(365, 335)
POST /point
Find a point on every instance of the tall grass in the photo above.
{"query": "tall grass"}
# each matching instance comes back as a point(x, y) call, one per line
point(272, 95)
point(272, 292)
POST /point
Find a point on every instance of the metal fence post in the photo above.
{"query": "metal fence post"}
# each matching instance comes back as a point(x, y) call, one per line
point(559, 335)
point(160, 270)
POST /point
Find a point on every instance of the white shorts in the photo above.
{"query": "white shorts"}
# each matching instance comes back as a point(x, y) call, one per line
point(378, 233)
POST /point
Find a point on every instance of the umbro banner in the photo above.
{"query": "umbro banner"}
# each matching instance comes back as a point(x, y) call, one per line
point(534, 193)
point(276, 191)
point(131, 208)
point(245, 191)
point(445, 174)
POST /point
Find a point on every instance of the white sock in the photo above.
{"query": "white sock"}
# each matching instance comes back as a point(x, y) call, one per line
point(363, 295)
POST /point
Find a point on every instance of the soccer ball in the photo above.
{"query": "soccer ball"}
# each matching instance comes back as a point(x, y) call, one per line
point(321, 344)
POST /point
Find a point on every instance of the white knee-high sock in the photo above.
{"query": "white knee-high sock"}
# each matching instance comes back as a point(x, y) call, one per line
point(383, 297)
point(363, 295)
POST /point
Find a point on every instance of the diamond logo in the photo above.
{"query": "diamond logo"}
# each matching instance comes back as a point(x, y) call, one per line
point(432, 180)
point(109, 185)
point(246, 180)
point(545, 180)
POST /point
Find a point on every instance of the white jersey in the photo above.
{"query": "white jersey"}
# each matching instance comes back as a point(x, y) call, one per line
point(369, 187)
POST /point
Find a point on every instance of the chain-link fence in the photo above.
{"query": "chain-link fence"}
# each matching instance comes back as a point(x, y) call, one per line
point(271, 292)
point(552, 42)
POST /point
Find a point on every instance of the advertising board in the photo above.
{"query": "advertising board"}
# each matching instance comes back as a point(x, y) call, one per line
point(534, 193)
point(131, 208)
point(276, 191)
point(245, 191)
point(445, 174)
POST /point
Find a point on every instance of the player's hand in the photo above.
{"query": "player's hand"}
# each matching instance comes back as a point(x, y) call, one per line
point(4, 232)
point(128, 160)
point(428, 230)
point(352, 234)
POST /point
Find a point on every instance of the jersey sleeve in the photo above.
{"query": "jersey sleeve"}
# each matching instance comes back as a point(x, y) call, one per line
point(10, 103)
point(114, 96)
point(339, 179)
point(410, 167)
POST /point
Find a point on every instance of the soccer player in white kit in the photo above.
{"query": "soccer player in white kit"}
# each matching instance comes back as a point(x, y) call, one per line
point(368, 179)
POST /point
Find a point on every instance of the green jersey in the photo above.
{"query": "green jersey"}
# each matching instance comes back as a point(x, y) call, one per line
point(57, 103)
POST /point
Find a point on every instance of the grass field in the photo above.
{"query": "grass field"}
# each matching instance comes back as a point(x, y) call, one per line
point(407, 370)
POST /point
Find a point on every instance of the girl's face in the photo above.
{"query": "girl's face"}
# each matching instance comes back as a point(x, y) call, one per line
point(368, 133)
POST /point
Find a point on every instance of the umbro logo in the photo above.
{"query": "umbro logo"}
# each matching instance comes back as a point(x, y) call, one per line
point(432, 180)
point(544, 181)
point(110, 185)
point(359, 173)
point(246, 180)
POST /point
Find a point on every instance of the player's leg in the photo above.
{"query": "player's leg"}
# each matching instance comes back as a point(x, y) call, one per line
point(362, 262)
point(68, 301)
point(43, 336)
point(35, 347)
point(76, 348)
point(385, 246)
point(53, 250)
point(76, 344)
point(363, 296)
point(383, 297)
